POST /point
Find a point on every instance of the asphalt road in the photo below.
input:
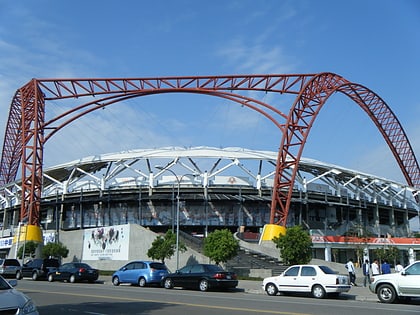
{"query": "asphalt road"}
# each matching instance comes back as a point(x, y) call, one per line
point(105, 299)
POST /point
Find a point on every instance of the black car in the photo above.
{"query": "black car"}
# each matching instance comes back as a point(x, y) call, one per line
point(38, 269)
point(201, 276)
point(74, 272)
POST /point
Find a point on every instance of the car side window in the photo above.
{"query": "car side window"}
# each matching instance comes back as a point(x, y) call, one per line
point(292, 272)
point(130, 267)
point(140, 265)
point(186, 269)
point(413, 270)
point(197, 269)
point(65, 266)
point(308, 272)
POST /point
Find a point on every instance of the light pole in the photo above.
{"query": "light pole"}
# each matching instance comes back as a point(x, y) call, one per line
point(177, 209)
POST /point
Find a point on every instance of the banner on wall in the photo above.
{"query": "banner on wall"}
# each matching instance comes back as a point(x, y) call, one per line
point(106, 243)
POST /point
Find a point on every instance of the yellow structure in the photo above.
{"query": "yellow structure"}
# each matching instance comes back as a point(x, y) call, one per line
point(28, 233)
point(272, 230)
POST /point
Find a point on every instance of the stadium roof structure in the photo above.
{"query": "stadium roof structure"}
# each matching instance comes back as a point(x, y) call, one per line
point(209, 166)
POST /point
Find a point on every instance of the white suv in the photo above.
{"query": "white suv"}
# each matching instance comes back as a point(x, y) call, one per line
point(404, 284)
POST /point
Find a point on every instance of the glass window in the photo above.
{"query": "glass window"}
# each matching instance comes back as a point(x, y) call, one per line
point(197, 269)
point(292, 272)
point(413, 270)
point(308, 272)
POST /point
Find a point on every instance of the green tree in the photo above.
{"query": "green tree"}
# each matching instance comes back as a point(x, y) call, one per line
point(295, 246)
point(220, 246)
point(55, 250)
point(164, 247)
point(389, 254)
point(30, 247)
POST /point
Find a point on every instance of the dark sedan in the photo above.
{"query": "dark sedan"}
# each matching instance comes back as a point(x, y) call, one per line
point(74, 272)
point(201, 276)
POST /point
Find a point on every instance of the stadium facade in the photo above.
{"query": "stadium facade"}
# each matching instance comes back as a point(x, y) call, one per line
point(343, 209)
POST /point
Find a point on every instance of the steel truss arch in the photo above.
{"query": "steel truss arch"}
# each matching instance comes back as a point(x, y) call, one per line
point(26, 126)
point(301, 119)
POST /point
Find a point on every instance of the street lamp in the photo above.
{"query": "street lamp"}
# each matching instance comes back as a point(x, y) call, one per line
point(179, 180)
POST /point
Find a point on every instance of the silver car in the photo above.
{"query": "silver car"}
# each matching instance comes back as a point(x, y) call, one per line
point(397, 286)
point(14, 302)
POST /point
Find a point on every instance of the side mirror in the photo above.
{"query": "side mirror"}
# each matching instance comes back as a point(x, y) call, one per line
point(13, 282)
point(403, 273)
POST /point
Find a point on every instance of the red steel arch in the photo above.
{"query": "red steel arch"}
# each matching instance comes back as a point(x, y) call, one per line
point(27, 131)
point(301, 118)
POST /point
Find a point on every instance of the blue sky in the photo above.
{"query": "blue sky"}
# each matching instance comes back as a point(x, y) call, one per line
point(374, 43)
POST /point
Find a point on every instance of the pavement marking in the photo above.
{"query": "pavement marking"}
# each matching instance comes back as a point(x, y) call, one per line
point(176, 303)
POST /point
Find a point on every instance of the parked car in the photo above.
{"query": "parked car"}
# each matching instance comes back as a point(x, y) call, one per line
point(141, 273)
point(401, 285)
point(316, 280)
point(10, 268)
point(13, 301)
point(38, 269)
point(74, 272)
point(201, 276)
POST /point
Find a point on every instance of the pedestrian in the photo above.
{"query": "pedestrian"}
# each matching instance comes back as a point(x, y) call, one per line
point(386, 268)
point(398, 267)
point(366, 272)
point(352, 271)
point(375, 268)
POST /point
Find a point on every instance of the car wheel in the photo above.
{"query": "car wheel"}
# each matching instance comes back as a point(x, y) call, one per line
point(35, 276)
point(168, 284)
point(142, 282)
point(204, 285)
point(116, 281)
point(18, 275)
point(72, 279)
point(271, 289)
point(50, 278)
point(318, 291)
point(386, 293)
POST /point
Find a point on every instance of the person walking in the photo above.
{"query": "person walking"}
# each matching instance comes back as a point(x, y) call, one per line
point(375, 268)
point(352, 271)
point(398, 267)
point(366, 272)
point(386, 268)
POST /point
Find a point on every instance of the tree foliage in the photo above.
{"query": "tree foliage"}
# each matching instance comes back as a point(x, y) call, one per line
point(164, 247)
point(295, 246)
point(220, 246)
point(57, 250)
point(389, 254)
point(30, 247)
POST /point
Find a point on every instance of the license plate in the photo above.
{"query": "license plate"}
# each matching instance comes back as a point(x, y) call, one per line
point(228, 277)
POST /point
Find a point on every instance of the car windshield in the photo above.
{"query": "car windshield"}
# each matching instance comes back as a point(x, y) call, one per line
point(327, 270)
point(4, 285)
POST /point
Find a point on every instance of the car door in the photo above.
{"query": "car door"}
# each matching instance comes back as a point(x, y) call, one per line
point(306, 278)
point(409, 280)
point(182, 277)
point(129, 273)
point(64, 271)
point(196, 274)
point(288, 281)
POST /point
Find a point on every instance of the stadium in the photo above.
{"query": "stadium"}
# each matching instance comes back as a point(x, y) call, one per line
point(108, 208)
point(217, 188)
